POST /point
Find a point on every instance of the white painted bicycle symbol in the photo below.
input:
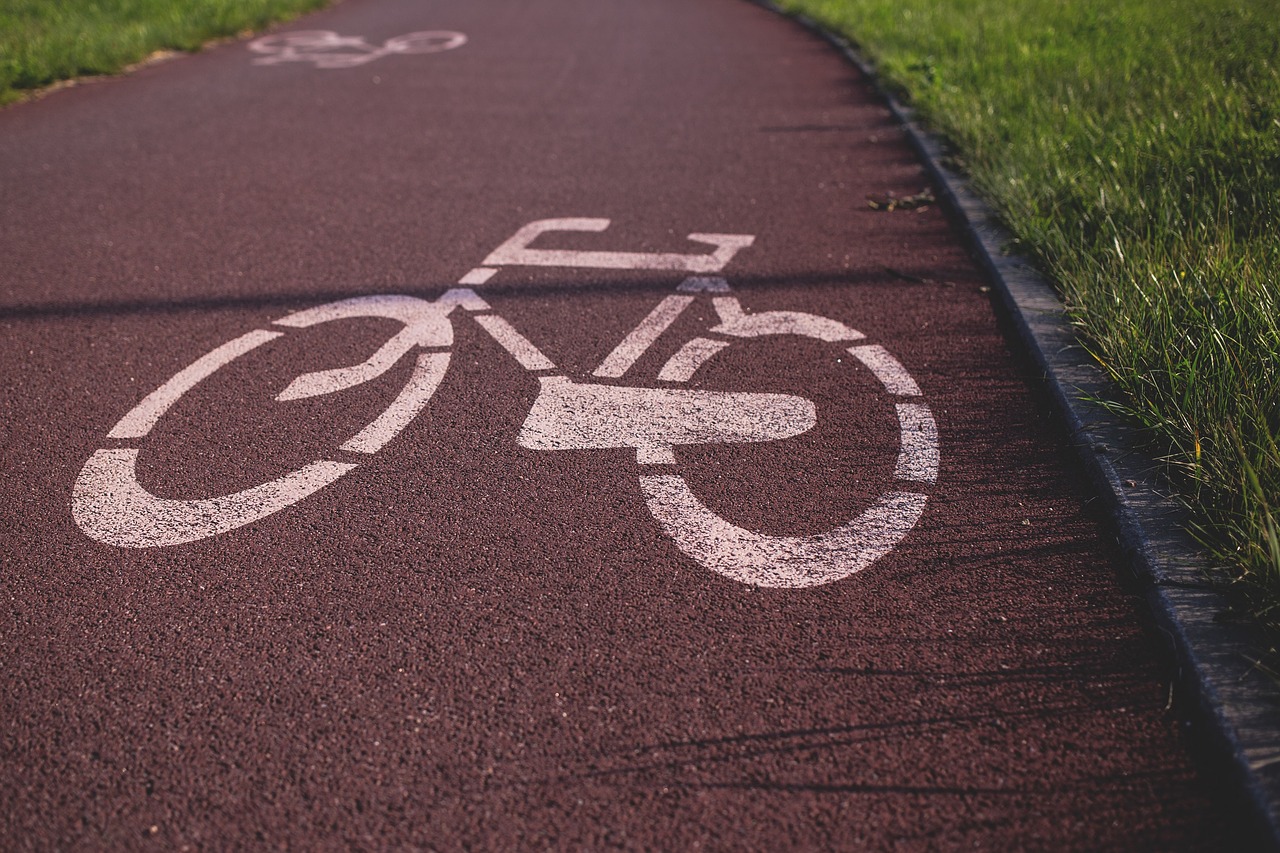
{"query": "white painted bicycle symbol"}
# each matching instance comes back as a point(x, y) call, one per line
point(326, 49)
point(111, 506)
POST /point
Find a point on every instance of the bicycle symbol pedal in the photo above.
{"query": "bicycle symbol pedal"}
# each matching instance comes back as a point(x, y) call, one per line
point(572, 416)
point(111, 506)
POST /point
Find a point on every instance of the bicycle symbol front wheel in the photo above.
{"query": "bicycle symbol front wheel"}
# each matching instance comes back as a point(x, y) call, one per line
point(767, 560)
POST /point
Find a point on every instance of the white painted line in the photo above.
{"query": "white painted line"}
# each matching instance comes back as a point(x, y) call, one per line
point(518, 345)
point(139, 421)
point(425, 324)
point(727, 245)
point(461, 297)
point(703, 284)
point(112, 507)
point(918, 458)
point(887, 369)
point(479, 275)
point(408, 310)
point(778, 561)
point(516, 251)
point(572, 416)
point(681, 366)
point(733, 321)
point(340, 378)
point(427, 375)
point(642, 337)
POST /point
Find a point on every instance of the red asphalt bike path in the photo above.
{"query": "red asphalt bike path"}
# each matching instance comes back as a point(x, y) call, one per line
point(485, 632)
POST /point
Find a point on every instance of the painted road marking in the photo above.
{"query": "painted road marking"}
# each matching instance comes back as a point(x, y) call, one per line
point(327, 49)
point(462, 297)
point(778, 561)
point(139, 420)
point(428, 373)
point(516, 251)
point(892, 375)
point(785, 561)
point(520, 347)
point(479, 275)
point(111, 506)
point(634, 345)
point(572, 416)
point(918, 457)
point(740, 325)
point(424, 326)
point(681, 366)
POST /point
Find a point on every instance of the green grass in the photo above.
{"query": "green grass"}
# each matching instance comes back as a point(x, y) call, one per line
point(45, 41)
point(1133, 148)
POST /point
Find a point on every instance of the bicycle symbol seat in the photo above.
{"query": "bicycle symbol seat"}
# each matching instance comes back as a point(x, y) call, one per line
point(111, 506)
point(326, 49)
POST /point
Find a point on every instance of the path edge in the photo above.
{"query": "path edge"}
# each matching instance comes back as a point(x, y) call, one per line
point(1234, 700)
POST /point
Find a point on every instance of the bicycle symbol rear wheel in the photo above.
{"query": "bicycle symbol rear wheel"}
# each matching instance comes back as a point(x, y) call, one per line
point(111, 506)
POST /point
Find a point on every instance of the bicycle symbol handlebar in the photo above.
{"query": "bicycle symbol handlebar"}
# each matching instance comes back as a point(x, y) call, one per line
point(516, 251)
point(111, 506)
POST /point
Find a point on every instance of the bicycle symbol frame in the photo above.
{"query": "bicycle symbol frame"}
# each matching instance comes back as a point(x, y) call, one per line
point(112, 507)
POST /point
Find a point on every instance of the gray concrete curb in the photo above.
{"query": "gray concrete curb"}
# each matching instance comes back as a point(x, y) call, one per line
point(1235, 702)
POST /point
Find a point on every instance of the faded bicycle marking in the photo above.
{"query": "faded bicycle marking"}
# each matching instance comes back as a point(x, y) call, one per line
point(327, 49)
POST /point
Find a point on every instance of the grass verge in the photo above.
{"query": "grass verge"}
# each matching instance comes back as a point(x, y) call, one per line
point(1133, 148)
point(43, 42)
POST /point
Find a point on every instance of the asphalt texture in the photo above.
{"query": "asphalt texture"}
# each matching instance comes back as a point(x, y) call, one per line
point(466, 642)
